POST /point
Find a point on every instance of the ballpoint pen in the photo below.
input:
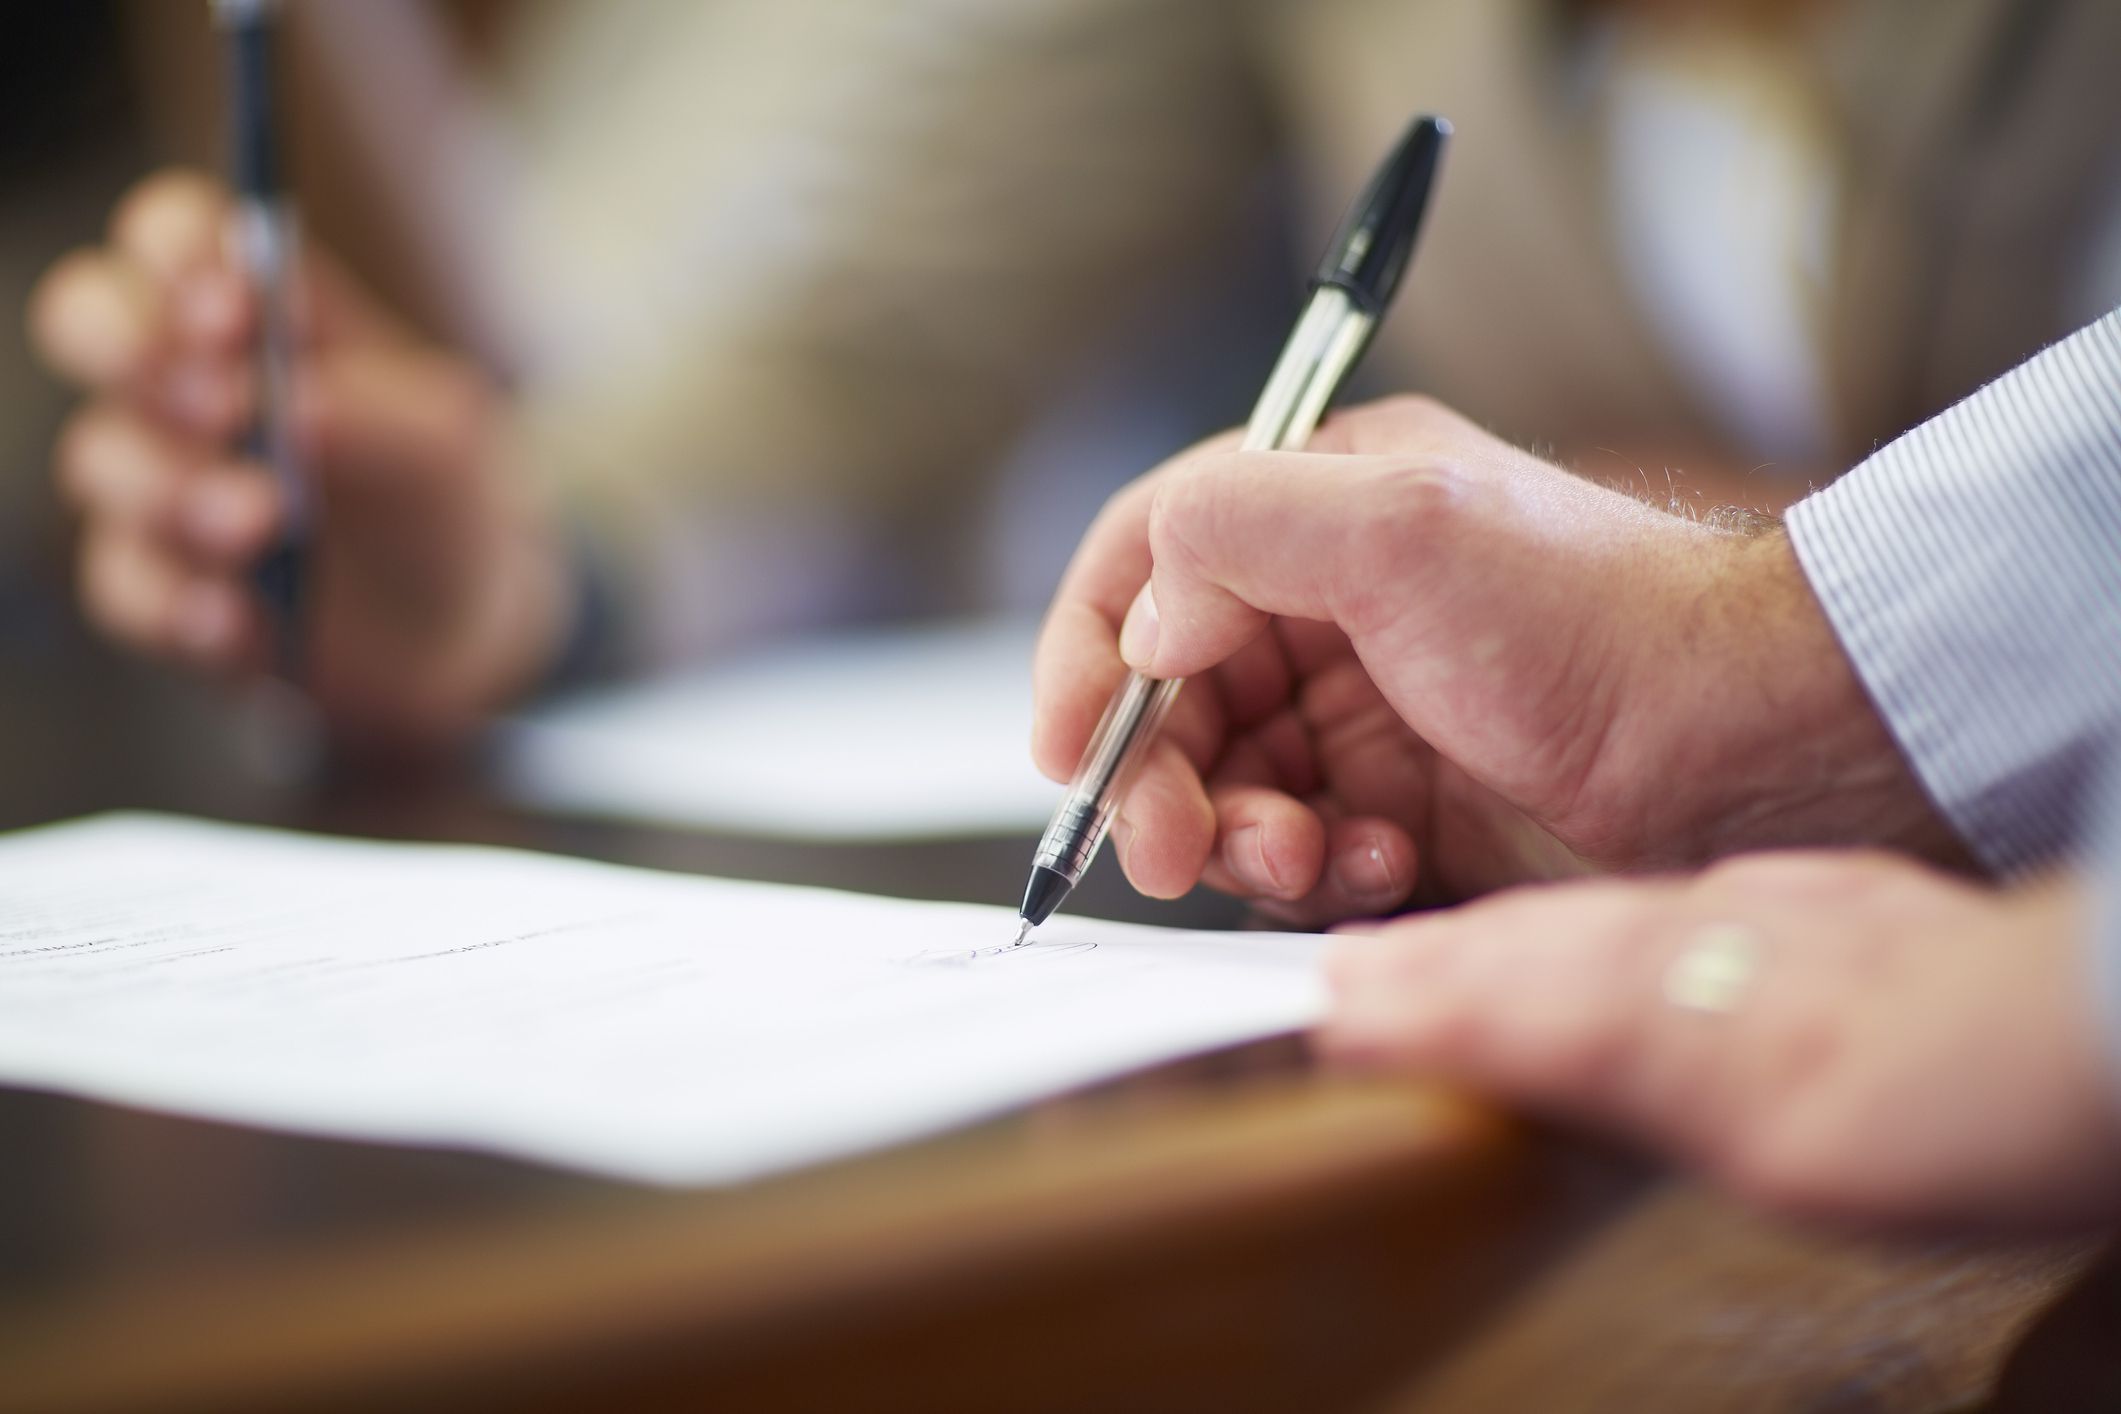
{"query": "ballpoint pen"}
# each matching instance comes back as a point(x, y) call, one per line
point(1349, 294)
point(265, 249)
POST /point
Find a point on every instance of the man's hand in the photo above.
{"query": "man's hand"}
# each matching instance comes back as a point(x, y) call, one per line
point(1907, 1048)
point(1418, 653)
point(437, 589)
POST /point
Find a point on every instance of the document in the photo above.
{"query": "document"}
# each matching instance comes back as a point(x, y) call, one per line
point(905, 733)
point(658, 1027)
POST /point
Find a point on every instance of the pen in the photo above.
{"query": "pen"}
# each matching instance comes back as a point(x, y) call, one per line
point(1349, 294)
point(265, 248)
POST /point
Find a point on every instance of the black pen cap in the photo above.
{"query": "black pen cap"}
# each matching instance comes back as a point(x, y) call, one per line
point(1370, 250)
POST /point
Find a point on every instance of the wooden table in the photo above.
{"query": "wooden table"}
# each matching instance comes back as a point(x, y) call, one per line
point(1236, 1233)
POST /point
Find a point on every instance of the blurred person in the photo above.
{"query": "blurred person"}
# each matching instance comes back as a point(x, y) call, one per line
point(1424, 664)
point(72, 132)
point(742, 300)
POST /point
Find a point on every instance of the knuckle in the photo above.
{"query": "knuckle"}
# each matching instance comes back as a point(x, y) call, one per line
point(1175, 512)
point(1407, 509)
point(110, 467)
point(59, 277)
point(166, 199)
point(50, 311)
point(1418, 495)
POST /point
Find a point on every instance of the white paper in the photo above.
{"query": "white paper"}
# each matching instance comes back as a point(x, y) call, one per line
point(916, 733)
point(653, 1026)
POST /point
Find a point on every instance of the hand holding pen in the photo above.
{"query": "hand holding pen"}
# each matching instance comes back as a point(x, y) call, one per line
point(438, 587)
point(1424, 664)
point(1349, 294)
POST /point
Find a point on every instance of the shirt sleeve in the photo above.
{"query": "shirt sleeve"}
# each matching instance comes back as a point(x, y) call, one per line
point(1972, 571)
point(2104, 873)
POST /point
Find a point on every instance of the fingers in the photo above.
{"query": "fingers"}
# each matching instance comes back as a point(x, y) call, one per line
point(1237, 537)
point(1368, 868)
point(158, 314)
point(112, 465)
point(141, 595)
point(100, 317)
point(1268, 844)
point(168, 535)
point(1076, 665)
point(163, 311)
point(1556, 996)
point(175, 229)
point(1301, 868)
point(1550, 995)
point(1165, 827)
point(1901, 1046)
point(126, 474)
point(96, 320)
point(172, 224)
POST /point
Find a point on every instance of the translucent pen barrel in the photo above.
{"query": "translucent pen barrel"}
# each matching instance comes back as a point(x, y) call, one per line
point(1115, 755)
point(1325, 344)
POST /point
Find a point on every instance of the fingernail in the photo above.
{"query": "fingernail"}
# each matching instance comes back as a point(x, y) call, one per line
point(220, 516)
point(1123, 840)
point(1245, 855)
point(205, 622)
point(1137, 636)
point(1363, 875)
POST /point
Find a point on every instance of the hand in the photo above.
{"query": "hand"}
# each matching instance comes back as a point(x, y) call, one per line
point(1910, 1047)
point(1418, 652)
point(437, 589)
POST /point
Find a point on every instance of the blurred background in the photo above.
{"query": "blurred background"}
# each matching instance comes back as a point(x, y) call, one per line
point(822, 312)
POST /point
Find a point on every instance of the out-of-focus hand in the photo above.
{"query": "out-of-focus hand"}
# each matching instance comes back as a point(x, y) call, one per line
point(1419, 654)
point(1908, 1047)
point(437, 588)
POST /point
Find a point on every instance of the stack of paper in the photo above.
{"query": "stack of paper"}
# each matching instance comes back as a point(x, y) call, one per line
point(652, 1026)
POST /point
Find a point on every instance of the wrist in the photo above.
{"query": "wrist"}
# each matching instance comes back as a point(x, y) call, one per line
point(1782, 744)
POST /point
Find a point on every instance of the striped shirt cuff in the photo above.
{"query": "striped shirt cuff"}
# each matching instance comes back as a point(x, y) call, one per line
point(1972, 571)
point(2105, 881)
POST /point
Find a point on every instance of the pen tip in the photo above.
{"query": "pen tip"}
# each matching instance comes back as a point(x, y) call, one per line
point(1023, 931)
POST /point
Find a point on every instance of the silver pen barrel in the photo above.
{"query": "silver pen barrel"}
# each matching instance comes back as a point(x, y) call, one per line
point(266, 249)
point(1327, 340)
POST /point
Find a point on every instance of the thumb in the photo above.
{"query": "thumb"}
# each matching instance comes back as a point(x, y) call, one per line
point(1240, 536)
